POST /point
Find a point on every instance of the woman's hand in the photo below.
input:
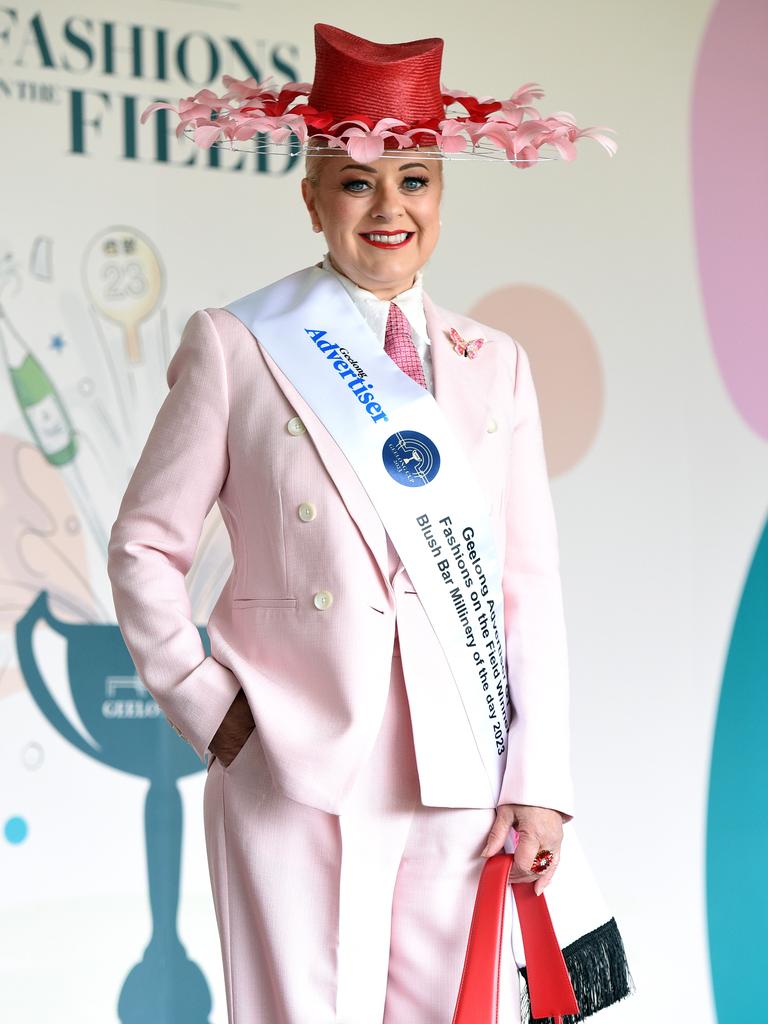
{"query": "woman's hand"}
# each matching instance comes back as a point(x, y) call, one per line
point(537, 827)
point(234, 730)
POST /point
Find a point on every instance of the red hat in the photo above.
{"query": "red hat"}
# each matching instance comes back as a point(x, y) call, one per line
point(356, 77)
point(370, 100)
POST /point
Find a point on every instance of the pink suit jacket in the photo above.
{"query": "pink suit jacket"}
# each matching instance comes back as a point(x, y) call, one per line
point(316, 670)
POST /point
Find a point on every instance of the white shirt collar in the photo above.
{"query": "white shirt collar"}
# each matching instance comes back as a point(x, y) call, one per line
point(376, 310)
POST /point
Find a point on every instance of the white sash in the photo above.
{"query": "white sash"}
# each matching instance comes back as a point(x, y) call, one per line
point(418, 477)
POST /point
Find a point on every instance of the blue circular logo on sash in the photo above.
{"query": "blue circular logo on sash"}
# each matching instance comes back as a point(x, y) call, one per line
point(411, 458)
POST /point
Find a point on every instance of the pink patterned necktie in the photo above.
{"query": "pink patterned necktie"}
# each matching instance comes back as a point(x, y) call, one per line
point(399, 346)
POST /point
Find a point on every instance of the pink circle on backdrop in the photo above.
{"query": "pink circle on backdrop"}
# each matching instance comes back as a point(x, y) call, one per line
point(565, 365)
point(729, 156)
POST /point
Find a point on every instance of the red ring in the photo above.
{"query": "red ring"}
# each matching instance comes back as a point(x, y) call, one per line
point(541, 861)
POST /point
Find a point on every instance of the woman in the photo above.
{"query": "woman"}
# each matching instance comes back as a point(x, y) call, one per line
point(385, 702)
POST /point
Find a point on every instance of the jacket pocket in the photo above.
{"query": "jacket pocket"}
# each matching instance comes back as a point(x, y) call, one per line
point(264, 602)
point(236, 759)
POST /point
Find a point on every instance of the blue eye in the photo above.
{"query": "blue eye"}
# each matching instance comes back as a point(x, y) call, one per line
point(421, 183)
point(357, 181)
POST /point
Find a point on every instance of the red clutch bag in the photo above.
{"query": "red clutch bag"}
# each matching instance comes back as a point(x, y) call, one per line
point(549, 985)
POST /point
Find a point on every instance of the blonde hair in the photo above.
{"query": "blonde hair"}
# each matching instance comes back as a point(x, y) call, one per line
point(312, 162)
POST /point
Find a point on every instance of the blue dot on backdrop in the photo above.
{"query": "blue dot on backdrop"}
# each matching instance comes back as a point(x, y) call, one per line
point(16, 830)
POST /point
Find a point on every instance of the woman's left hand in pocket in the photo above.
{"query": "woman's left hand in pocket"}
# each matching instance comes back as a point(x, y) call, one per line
point(234, 730)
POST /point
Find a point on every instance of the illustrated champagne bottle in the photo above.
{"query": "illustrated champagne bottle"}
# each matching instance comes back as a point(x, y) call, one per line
point(52, 431)
point(37, 397)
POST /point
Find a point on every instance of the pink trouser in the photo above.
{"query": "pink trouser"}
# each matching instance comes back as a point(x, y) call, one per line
point(356, 918)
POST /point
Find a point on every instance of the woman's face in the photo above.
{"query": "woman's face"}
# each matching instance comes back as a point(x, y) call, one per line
point(396, 197)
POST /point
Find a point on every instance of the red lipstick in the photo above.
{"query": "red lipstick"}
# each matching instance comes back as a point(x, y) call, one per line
point(387, 245)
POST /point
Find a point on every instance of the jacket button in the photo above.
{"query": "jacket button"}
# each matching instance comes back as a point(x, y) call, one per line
point(295, 426)
point(307, 511)
point(323, 599)
point(491, 425)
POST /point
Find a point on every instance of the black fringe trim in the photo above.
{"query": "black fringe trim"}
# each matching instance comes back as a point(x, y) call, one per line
point(599, 972)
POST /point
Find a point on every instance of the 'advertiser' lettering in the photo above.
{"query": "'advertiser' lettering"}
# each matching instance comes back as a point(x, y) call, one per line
point(358, 387)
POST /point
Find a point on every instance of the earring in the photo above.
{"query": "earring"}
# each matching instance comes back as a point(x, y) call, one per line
point(316, 227)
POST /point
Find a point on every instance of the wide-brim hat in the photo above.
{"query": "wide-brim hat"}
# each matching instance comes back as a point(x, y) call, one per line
point(370, 100)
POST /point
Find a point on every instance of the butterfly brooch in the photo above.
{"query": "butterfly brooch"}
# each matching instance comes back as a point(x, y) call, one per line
point(462, 347)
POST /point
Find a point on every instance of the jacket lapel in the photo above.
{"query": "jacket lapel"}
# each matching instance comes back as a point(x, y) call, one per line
point(462, 389)
point(348, 483)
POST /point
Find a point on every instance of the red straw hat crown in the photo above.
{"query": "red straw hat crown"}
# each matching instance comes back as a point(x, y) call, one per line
point(406, 77)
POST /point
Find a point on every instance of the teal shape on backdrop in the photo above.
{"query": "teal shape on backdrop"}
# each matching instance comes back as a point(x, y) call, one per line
point(737, 829)
point(126, 731)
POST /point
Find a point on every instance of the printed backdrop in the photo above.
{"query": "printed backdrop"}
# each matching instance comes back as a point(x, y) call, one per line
point(636, 284)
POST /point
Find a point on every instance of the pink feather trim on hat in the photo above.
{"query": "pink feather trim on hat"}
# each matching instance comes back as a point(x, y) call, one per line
point(381, 98)
point(213, 119)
